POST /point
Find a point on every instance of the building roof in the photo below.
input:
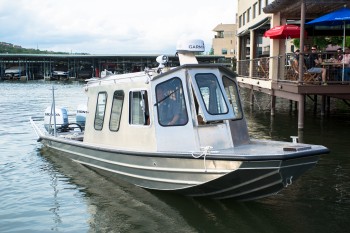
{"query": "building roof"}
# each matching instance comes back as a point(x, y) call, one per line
point(121, 57)
point(224, 27)
point(12, 55)
point(314, 8)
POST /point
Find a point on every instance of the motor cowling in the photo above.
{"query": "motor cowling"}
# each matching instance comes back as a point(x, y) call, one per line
point(61, 118)
point(80, 117)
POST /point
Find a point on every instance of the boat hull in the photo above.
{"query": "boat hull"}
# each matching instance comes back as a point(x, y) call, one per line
point(212, 176)
point(256, 180)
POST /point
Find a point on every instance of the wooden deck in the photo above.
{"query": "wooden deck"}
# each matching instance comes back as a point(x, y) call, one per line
point(282, 84)
point(292, 90)
point(255, 74)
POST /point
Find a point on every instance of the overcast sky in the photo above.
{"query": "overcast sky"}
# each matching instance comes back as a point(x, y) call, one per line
point(111, 26)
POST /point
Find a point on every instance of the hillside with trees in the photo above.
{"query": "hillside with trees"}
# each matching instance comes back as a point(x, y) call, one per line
point(16, 49)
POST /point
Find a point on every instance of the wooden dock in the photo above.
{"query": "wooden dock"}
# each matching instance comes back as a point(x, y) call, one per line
point(280, 84)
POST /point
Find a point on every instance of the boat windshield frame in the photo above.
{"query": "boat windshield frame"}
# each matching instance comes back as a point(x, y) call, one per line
point(211, 95)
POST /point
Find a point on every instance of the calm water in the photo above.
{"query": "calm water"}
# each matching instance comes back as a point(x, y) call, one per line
point(41, 193)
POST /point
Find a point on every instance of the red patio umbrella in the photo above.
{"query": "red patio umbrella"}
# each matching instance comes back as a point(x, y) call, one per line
point(283, 32)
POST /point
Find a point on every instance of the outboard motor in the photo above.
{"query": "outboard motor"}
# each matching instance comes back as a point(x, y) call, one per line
point(80, 117)
point(61, 118)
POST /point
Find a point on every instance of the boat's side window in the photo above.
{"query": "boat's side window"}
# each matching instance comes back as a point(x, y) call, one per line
point(171, 103)
point(116, 112)
point(100, 110)
point(211, 94)
point(139, 109)
point(233, 96)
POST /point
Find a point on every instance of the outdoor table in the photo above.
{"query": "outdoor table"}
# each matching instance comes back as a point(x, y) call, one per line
point(331, 68)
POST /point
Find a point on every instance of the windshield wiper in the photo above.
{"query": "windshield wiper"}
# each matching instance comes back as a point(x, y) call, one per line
point(166, 97)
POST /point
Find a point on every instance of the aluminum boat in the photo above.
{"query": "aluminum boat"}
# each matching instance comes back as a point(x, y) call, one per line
point(177, 129)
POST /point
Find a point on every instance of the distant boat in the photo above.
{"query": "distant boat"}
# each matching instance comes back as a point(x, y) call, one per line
point(14, 72)
point(60, 75)
point(176, 129)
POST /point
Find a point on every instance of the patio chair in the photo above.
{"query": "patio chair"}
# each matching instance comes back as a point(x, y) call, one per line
point(307, 76)
point(263, 68)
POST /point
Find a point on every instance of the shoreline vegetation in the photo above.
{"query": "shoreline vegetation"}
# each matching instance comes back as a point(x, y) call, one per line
point(8, 48)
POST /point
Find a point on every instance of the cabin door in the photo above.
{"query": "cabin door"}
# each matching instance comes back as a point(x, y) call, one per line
point(174, 129)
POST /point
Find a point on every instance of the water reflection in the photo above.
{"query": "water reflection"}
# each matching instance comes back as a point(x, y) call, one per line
point(115, 206)
point(121, 207)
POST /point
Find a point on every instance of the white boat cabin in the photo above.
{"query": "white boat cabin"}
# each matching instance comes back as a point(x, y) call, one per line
point(180, 109)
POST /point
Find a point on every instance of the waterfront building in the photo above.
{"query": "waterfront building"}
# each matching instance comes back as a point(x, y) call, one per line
point(224, 41)
point(264, 64)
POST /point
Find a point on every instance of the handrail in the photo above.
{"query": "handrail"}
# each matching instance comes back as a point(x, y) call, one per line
point(257, 68)
point(279, 69)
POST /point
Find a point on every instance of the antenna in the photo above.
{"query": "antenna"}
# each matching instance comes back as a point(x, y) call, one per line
point(186, 50)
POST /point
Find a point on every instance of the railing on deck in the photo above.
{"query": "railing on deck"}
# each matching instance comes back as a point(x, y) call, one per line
point(282, 70)
point(258, 68)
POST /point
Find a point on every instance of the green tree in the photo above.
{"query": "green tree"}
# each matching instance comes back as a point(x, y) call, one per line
point(322, 41)
point(211, 52)
point(12, 49)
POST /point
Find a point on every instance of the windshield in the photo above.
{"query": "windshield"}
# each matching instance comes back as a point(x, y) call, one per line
point(233, 97)
point(211, 94)
point(171, 103)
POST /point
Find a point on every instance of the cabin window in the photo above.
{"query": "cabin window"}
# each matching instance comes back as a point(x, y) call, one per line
point(171, 103)
point(116, 112)
point(233, 97)
point(139, 110)
point(213, 104)
point(211, 94)
point(100, 110)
